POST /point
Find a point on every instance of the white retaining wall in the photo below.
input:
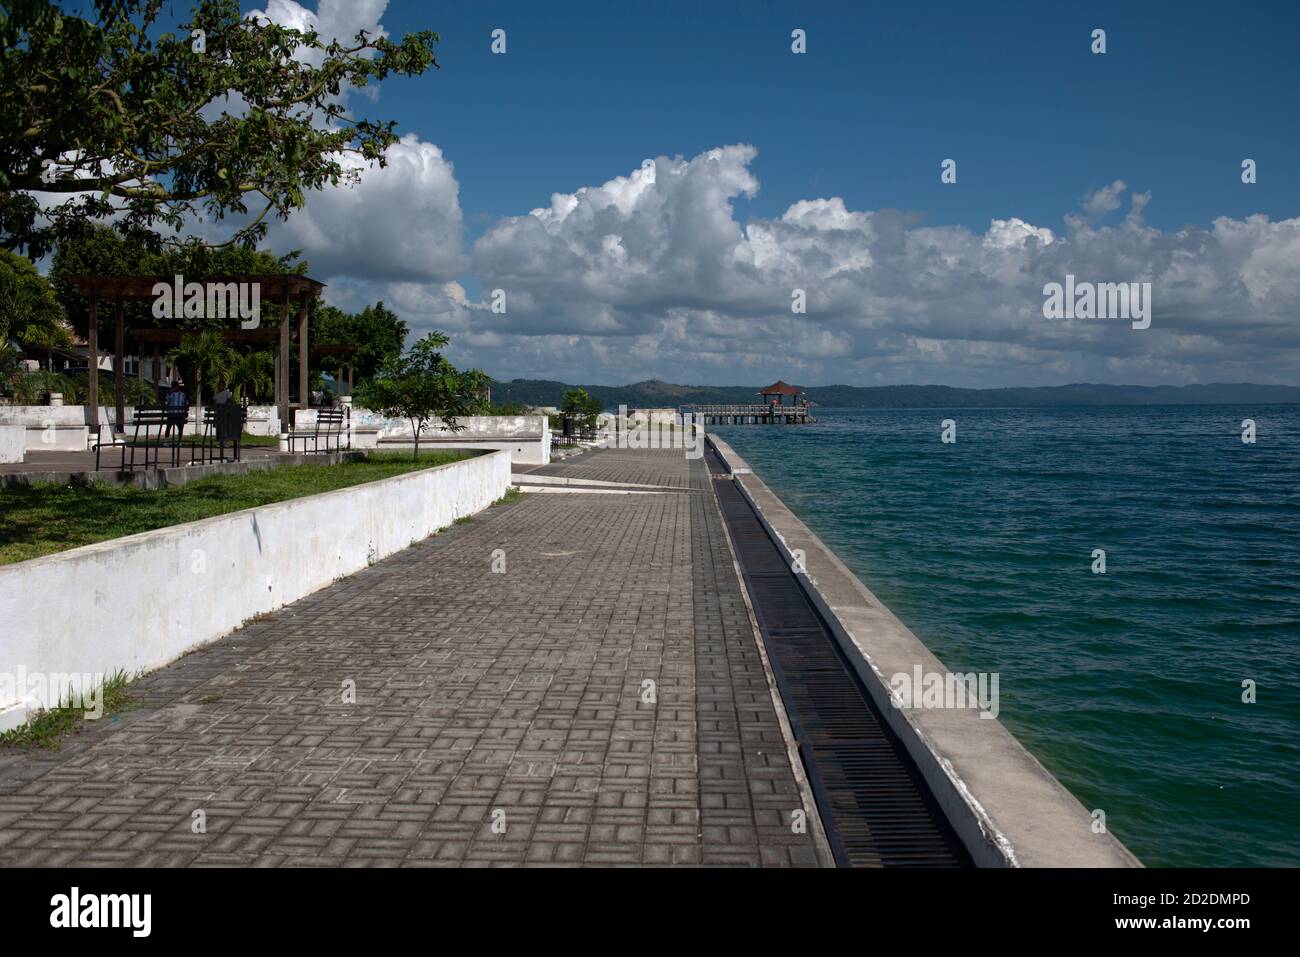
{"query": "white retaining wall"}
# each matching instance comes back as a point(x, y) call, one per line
point(526, 437)
point(13, 443)
point(65, 428)
point(263, 420)
point(142, 601)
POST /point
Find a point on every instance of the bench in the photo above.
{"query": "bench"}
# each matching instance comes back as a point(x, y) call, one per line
point(325, 436)
point(223, 424)
point(156, 423)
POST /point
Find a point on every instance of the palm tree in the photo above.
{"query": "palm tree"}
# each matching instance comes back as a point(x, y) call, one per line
point(29, 309)
point(203, 353)
point(252, 372)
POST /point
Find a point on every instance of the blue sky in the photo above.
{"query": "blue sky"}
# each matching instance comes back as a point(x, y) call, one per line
point(1009, 90)
point(645, 189)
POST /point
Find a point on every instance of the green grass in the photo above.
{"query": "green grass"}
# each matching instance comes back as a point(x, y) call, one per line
point(189, 439)
point(47, 727)
point(251, 441)
point(44, 519)
point(513, 494)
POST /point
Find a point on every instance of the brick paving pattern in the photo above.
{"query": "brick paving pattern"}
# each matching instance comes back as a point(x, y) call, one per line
point(500, 719)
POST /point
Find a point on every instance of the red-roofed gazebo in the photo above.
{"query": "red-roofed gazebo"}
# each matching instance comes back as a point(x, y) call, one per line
point(775, 393)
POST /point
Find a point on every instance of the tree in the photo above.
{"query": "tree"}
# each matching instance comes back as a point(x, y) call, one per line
point(582, 407)
point(376, 330)
point(507, 408)
point(252, 373)
point(121, 117)
point(29, 310)
point(422, 385)
point(100, 251)
point(203, 353)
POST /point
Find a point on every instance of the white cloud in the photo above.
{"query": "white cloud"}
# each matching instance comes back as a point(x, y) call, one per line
point(1104, 200)
point(401, 222)
point(652, 274)
point(332, 19)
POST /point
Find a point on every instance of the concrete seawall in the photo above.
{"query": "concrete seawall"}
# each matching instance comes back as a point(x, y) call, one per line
point(526, 437)
point(1007, 809)
point(139, 602)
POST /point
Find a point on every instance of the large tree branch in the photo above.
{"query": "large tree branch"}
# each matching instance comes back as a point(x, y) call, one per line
point(127, 103)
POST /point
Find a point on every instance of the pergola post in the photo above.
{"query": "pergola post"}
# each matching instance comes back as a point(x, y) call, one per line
point(303, 400)
point(157, 364)
point(119, 394)
point(282, 398)
point(92, 363)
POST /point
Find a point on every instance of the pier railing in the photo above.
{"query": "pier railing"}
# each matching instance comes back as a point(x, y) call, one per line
point(748, 412)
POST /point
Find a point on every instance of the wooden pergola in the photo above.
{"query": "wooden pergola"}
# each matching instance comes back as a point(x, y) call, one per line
point(345, 353)
point(121, 289)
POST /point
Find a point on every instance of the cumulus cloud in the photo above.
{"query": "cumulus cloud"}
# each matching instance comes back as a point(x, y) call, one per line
point(1104, 200)
point(400, 222)
point(332, 19)
point(652, 274)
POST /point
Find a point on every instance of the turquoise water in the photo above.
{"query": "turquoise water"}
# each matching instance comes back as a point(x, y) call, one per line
point(1126, 685)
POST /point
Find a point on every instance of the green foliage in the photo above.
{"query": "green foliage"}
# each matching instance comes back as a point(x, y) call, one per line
point(422, 385)
point(100, 251)
point(9, 359)
point(135, 391)
point(34, 388)
point(252, 375)
point(140, 394)
point(582, 407)
point(49, 725)
point(513, 494)
point(376, 330)
point(203, 355)
point(29, 310)
point(508, 408)
point(141, 123)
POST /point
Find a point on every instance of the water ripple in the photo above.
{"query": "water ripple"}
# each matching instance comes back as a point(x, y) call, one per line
point(1126, 685)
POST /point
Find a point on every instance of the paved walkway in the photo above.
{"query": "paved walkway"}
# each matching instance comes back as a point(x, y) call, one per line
point(500, 718)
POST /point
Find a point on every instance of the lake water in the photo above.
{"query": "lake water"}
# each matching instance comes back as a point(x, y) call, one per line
point(1127, 685)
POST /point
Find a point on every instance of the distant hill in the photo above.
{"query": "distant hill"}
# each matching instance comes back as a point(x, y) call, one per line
point(656, 393)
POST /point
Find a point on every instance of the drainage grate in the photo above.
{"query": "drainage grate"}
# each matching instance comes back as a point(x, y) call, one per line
point(877, 810)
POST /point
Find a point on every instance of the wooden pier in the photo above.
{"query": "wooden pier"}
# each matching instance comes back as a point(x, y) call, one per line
point(755, 414)
point(773, 410)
